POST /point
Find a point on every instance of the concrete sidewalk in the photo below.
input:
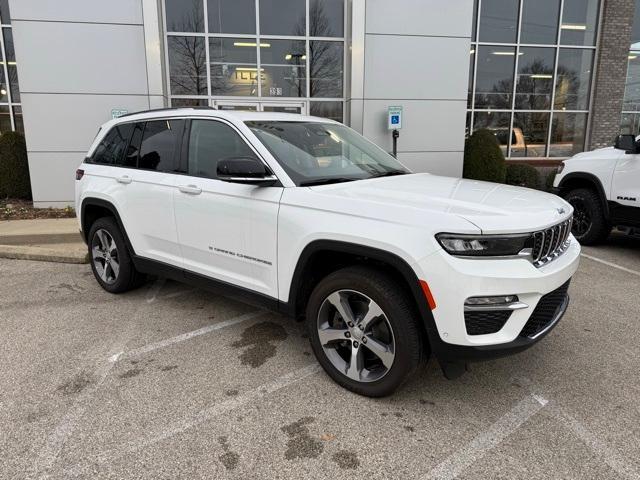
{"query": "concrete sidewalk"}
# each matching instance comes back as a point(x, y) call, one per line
point(51, 240)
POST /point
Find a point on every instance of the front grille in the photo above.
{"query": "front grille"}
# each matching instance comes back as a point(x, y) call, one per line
point(545, 312)
point(550, 243)
point(483, 323)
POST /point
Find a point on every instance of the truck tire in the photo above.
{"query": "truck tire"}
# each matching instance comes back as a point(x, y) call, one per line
point(110, 259)
point(364, 331)
point(590, 225)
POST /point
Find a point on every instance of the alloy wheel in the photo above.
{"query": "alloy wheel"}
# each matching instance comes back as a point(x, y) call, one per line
point(356, 335)
point(581, 217)
point(105, 256)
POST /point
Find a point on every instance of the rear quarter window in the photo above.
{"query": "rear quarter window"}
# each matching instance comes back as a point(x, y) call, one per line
point(110, 151)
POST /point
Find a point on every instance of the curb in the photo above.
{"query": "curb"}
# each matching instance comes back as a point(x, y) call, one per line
point(44, 254)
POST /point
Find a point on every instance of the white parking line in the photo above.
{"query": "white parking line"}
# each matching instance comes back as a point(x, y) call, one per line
point(611, 264)
point(186, 336)
point(456, 463)
point(196, 419)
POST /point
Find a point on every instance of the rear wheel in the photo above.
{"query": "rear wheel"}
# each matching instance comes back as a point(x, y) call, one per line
point(110, 260)
point(363, 331)
point(589, 223)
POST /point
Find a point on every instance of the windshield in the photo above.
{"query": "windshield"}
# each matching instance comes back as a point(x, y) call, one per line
point(318, 153)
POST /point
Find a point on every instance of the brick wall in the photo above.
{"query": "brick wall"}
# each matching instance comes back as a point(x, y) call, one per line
point(615, 34)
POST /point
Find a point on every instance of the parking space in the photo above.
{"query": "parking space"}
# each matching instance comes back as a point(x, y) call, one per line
point(170, 381)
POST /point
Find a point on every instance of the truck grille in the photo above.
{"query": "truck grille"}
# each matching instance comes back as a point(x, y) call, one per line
point(546, 312)
point(483, 323)
point(550, 243)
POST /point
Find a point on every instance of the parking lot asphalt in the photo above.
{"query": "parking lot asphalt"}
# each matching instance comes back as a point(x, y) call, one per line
point(172, 382)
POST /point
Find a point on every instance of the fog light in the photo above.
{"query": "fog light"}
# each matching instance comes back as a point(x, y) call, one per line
point(497, 300)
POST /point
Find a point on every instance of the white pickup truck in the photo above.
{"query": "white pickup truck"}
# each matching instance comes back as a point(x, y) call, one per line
point(603, 186)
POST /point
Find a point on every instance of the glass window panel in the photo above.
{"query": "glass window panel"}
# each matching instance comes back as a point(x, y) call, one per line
point(111, 149)
point(630, 123)
point(579, 19)
point(157, 151)
point(234, 66)
point(17, 118)
point(529, 136)
point(498, 123)
point(467, 126)
point(4, 12)
point(494, 76)
point(283, 17)
point(326, 63)
point(574, 79)
point(632, 87)
point(474, 20)
point(283, 63)
point(471, 65)
point(211, 142)
point(231, 16)
point(187, 66)
point(499, 21)
point(635, 32)
point(567, 134)
point(8, 44)
point(4, 88)
point(540, 21)
point(184, 15)
point(326, 18)
point(189, 102)
point(535, 78)
point(332, 110)
point(5, 119)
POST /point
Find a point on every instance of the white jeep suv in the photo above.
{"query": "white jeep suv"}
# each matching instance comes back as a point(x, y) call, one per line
point(304, 216)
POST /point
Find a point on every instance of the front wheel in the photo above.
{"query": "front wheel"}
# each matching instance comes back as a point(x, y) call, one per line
point(364, 331)
point(590, 225)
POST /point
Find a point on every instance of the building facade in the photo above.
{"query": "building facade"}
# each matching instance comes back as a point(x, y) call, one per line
point(549, 77)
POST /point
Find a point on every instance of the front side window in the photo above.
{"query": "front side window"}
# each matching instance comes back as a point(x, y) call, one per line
point(111, 149)
point(315, 153)
point(210, 142)
point(158, 147)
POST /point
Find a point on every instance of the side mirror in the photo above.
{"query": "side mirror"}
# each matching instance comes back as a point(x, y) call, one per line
point(246, 170)
point(627, 143)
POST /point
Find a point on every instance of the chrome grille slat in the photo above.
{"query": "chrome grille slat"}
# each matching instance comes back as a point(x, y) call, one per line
point(549, 243)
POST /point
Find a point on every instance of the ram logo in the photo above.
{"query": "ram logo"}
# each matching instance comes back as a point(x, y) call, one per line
point(628, 199)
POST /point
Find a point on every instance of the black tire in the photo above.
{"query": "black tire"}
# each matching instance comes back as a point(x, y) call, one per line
point(590, 225)
point(127, 277)
point(398, 313)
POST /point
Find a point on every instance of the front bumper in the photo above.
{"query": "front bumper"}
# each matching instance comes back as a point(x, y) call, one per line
point(452, 280)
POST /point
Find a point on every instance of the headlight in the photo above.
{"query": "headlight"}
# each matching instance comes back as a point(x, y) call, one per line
point(484, 245)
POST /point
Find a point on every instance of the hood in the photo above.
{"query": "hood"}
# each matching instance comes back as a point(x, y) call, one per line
point(492, 207)
point(606, 154)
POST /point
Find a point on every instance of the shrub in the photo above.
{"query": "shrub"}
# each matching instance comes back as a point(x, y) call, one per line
point(483, 159)
point(523, 175)
point(14, 168)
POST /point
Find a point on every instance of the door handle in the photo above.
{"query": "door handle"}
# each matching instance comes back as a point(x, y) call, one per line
point(124, 179)
point(190, 189)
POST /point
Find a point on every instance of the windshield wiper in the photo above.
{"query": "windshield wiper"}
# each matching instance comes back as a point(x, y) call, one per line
point(391, 173)
point(326, 181)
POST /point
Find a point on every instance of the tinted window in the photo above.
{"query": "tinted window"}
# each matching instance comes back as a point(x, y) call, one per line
point(133, 151)
point(111, 149)
point(159, 140)
point(210, 142)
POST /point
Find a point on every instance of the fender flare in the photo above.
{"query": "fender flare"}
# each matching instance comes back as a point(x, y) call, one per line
point(593, 181)
point(98, 202)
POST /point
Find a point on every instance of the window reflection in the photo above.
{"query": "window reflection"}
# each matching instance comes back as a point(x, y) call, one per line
point(326, 18)
point(326, 64)
point(332, 110)
point(234, 66)
point(236, 16)
point(574, 79)
point(630, 123)
point(567, 134)
point(189, 102)
point(282, 17)
point(187, 65)
point(184, 15)
point(494, 82)
point(535, 78)
point(283, 63)
point(530, 131)
point(632, 87)
point(499, 123)
point(498, 21)
point(540, 21)
point(579, 19)
point(5, 119)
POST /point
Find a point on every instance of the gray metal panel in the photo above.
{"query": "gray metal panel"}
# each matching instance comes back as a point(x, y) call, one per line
point(52, 176)
point(100, 11)
point(437, 163)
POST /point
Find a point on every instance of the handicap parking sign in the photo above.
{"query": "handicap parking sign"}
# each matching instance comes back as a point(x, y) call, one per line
point(394, 118)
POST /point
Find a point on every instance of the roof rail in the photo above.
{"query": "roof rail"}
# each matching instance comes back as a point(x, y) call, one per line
point(166, 109)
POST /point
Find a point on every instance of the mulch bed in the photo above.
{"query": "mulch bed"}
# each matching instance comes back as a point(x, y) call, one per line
point(11, 209)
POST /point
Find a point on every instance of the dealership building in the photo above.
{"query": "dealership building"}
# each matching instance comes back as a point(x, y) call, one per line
point(549, 77)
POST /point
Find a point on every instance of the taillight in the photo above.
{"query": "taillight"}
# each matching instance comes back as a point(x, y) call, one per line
point(79, 174)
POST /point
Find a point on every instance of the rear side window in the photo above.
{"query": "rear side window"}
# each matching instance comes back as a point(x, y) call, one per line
point(133, 150)
point(159, 145)
point(111, 149)
point(211, 141)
